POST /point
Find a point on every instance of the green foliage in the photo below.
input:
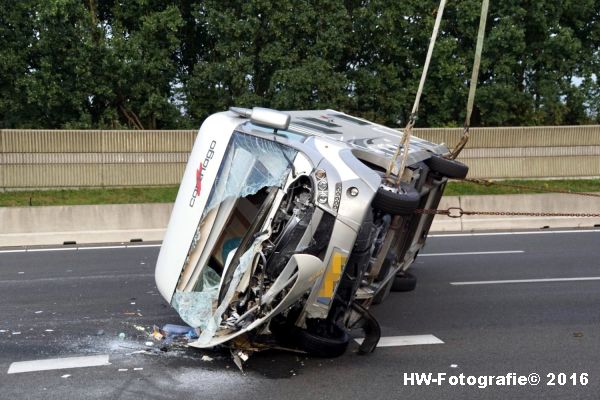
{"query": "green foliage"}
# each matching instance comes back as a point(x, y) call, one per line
point(152, 64)
point(168, 194)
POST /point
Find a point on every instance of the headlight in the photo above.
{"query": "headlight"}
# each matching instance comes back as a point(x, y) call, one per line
point(322, 186)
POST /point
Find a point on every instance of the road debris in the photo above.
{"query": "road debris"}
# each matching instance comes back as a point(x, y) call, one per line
point(156, 333)
point(206, 358)
point(65, 375)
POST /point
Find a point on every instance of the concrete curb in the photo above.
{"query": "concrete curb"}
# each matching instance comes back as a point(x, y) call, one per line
point(83, 224)
point(23, 226)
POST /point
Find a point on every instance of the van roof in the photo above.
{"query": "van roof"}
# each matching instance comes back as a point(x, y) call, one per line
point(356, 131)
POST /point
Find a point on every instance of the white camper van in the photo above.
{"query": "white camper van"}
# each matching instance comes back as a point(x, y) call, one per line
point(285, 230)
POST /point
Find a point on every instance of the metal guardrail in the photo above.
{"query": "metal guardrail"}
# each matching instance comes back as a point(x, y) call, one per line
point(108, 158)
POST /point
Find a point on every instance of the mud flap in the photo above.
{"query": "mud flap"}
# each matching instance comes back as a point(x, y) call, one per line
point(370, 327)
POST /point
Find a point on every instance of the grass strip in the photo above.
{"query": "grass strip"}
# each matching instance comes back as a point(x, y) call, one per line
point(167, 194)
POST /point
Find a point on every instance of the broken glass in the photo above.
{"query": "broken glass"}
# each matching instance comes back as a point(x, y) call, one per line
point(249, 165)
point(195, 308)
point(245, 262)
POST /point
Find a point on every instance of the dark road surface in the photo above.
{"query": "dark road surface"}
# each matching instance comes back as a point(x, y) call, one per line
point(73, 303)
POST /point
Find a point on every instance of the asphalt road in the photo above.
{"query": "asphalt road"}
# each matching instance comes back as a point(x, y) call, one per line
point(76, 303)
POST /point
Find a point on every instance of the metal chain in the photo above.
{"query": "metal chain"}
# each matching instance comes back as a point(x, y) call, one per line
point(517, 186)
point(457, 212)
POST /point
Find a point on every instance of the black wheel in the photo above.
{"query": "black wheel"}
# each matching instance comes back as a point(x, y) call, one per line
point(402, 201)
point(404, 282)
point(321, 346)
point(450, 168)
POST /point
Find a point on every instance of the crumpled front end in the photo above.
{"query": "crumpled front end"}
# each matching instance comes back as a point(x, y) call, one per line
point(216, 278)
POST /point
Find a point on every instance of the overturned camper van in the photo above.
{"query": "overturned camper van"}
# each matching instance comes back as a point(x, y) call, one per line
point(285, 231)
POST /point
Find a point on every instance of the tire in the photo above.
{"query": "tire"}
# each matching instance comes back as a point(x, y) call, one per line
point(320, 346)
point(450, 168)
point(404, 282)
point(393, 202)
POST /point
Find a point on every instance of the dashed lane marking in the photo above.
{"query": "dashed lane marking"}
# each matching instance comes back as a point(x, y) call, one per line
point(409, 340)
point(58, 363)
point(472, 253)
point(585, 278)
point(39, 250)
point(513, 233)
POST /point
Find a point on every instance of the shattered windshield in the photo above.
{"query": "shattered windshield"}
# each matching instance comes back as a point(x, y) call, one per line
point(251, 165)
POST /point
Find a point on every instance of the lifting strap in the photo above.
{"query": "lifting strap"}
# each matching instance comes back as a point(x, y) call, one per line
point(474, 75)
point(404, 145)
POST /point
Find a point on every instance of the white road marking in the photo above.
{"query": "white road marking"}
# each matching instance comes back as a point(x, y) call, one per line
point(410, 340)
point(74, 278)
point(133, 246)
point(58, 363)
point(588, 278)
point(102, 247)
point(514, 233)
point(472, 253)
point(54, 249)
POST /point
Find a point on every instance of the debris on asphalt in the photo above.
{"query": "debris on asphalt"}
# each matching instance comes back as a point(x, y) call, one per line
point(138, 369)
point(123, 369)
point(206, 358)
point(38, 312)
point(140, 328)
point(139, 352)
point(156, 333)
point(237, 360)
point(121, 335)
point(65, 375)
point(149, 344)
point(176, 330)
point(453, 365)
point(578, 334)
point(49, 330)
point(16, 333)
